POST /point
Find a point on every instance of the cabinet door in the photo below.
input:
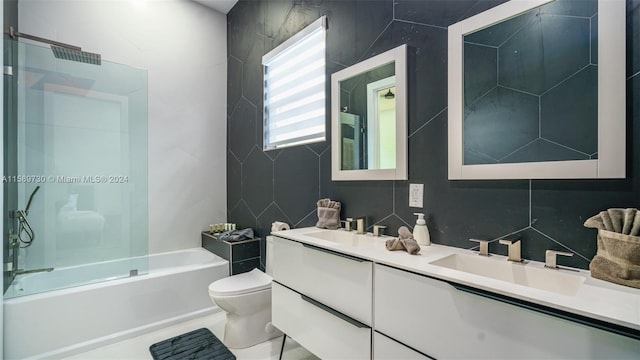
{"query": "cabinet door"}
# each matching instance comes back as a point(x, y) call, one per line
point(435, 318)
point(385, 348)
point(340, 281)
point(325, 332)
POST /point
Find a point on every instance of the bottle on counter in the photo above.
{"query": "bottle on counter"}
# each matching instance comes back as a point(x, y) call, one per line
point(421, 232)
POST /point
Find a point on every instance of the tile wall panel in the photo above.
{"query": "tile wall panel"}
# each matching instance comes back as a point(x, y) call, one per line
point(546, 214)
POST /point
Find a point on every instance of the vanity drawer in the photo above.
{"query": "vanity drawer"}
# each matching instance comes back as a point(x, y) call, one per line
point(446, 321)
point(340, 281)
point(385, 348)
point(321, 330)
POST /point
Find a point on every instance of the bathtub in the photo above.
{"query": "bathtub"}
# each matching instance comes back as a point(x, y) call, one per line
point(68, 321)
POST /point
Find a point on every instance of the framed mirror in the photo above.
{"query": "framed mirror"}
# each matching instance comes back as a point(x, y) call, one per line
point(537, 91)
point(369, 119)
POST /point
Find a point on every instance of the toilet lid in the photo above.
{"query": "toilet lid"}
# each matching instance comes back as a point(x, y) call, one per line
point(251, 281)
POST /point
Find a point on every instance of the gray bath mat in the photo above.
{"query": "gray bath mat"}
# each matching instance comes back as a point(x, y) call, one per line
point(197, 344)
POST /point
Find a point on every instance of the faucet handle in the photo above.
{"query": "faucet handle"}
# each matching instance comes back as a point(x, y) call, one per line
point(347, 223)
point(378, 230)
point(484, 246)
point(550, 258)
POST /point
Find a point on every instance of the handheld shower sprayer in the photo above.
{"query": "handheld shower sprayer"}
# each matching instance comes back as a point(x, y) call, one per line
point(24, 227)
point(26, 210)
point(23, 239)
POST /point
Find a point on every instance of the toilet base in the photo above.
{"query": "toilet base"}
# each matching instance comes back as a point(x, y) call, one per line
point(248, 330)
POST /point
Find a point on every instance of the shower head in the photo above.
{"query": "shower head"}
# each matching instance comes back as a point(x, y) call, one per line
point(61, 50)
point(75, 54)
point(389, 95)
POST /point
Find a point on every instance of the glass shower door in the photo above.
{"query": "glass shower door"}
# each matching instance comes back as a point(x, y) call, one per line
point(82, 159)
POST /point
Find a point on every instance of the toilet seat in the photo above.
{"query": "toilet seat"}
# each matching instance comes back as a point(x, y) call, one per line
point(254, 280)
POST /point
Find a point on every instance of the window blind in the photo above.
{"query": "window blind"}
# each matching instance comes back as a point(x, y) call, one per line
point(294, 89)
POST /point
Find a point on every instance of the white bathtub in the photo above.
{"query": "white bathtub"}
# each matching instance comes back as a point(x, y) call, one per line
point(69, 321)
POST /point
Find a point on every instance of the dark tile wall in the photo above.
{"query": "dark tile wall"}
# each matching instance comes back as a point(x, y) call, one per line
point(531, 86)
point(285, 184)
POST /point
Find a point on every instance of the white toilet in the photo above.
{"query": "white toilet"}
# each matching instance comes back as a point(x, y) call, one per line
point(246, 298)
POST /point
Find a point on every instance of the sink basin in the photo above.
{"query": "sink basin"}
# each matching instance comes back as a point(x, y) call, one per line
point(344, 237)
point(520, 274)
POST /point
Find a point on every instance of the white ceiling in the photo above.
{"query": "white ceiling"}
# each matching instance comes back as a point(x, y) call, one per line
point(222, 6)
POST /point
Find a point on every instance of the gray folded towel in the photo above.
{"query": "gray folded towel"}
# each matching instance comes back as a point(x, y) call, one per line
point(405, 241)
point(328, 214)
point(615, 272)
point(623, 221)
point(618, 256)
point(236, 235)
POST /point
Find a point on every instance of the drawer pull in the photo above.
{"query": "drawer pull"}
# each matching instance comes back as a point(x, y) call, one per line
point(333, 252)
point(340, 315)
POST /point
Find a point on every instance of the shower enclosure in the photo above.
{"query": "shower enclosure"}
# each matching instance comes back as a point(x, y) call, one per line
point(75, 145)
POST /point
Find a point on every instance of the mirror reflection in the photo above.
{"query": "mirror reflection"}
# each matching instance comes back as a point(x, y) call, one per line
point(531, 86)
point(534, 91)
point(368, 119)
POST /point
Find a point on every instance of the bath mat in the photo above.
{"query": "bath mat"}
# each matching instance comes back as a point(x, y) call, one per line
point(196, 344)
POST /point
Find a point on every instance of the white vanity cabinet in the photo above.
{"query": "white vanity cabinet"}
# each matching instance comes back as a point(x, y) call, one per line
point(322, 299)
point(441, 321)
point(385, 348)
point(339, 281)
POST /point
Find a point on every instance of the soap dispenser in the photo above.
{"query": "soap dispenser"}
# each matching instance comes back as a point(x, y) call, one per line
point(420, 231)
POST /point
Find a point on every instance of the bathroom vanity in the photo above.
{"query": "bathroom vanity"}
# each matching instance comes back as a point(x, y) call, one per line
point(343, 295)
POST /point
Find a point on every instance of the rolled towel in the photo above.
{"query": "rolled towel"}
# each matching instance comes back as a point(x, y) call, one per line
point(328, 214)
point(411, 245)
point(394, 244)
point(623, 221)
point(615, 272)
point(405, 241)
point(404, 233)
point(618, 256)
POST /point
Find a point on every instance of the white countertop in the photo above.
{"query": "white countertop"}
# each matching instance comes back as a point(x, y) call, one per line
point(595, 299)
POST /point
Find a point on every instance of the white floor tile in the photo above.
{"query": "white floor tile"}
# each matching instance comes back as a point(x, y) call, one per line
point(138, 348)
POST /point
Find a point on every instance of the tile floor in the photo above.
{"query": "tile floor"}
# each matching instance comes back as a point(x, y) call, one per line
point(138, 348)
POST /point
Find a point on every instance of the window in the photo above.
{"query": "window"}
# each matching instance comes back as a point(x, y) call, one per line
point(294, 89)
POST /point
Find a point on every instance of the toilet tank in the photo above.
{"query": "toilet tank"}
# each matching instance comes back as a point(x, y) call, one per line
point(269, 253)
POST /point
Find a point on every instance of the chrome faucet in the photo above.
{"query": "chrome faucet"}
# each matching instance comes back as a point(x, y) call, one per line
point(550, 258)
point(514, 250)
point(361, 225)
point(484, 246)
